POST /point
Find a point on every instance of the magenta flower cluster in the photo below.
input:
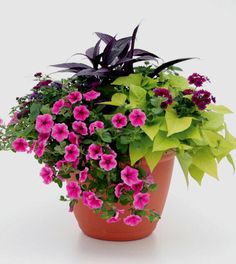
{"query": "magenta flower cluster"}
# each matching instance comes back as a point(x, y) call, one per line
point(197, 79)
point(163, 92)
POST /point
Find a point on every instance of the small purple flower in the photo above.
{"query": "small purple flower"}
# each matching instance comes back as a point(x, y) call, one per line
point(202, 98)
point(163, 92)
point(197, 79)
point(42, 83)
point(38, 74)
point(188, 91)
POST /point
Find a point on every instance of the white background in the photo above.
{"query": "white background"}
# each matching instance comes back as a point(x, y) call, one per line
point(198, 225)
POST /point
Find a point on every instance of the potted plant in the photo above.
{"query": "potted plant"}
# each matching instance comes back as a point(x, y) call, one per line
point(110, 133)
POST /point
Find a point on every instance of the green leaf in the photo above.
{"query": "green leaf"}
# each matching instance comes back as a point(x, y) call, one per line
point(153, 187)
point(204, 160)
point(211, 137)
point(117, 99)
point(106, 137)
point(214, 120)
point(151, 130)
point(128, 80)
point(138, 149)
point(196, 173)
point(185, 160)
point(45, 109)
point(221, 109)
point(137, 97)
point(176, 124)
point(178, 81)
point(153, 158)
point(163, 143)
point(34, 111)
point(231, 161)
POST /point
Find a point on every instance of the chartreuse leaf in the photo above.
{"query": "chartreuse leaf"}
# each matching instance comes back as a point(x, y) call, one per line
point(117, 99)
point(153, 158)
point(191, 133)
point(151, 130)
point(221, 109)
point(204, 160)
point(176, 124)
point(211, 137)
point(178, 81)
point(185, 161)
point(214, 120)
point(149, 83)
point(196, 173)
point(162, 142)
point(138, 149)
point(137, 96)
point(128, 80)
point(231, 161)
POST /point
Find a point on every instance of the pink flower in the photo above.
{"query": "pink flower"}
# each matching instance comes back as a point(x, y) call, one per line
point(67, 104)
point(73, 138)
point(83, 174)
point(56, 108)
point(75, 163)
point(132, 220)
point(129, 176)
point(96, 124)
point(40, 149)
point(140, 200)
point(43, 137)
point(44, 123)
point(73, 190)
point(107, 162)
point(80, 127)
point(94, 151)
point(150, 179)
point(137, 117)
point(91, 95)
point(20, 145)
point(1, 121)
point(74, 97)
point(60, 132)
point(32, 147)
point(119, 188)
point(47, 174)
point(81, 112)
point(60, 163)
point(14, 119)
point(119, 120)
point(138, 186)
point(91, 200)
point(71, 153)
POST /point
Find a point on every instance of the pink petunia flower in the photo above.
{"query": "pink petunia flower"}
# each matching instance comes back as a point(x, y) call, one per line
point(67, 104)
point(74, 97)
point(107, 162)
point(75, 163)
point(80, 127)
point(60, 163)
point(94, 151)
point(60, 132)
point(73, 190)
point(83, 175)
point(20, 145)
point(32, 147)
point(73, 138)
point(71, 153)
point(138, 186)
point(40, 149)
point(1, 121)
point(91, 95)
point(137, 117)
point(56, 108)
point(150, 179)
point(129, 176)
point(119, 120)
point(47, 174)
point(132, 220)
point(14, 119)
point(119, 188)
point(97, 125)
point(44, 123)
point(140, 200)
point(115, 218)
point(81, 112)
point(43, 137)
point(91, 200)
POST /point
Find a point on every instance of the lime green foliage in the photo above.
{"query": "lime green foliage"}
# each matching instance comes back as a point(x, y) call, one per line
point(117, 99)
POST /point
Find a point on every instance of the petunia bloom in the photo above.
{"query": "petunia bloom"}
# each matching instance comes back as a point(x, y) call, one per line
point(60, 132)
point(56, 108)
point(73, 138)
point(115, 218)
point(44, 123)
point(138, 186)
point(91, 200)
point(91, 95)
point(119, 120)
point(73, 190)
point(47, 174)
point(40, 148)
point(94, 151)
point(81, 112)
point(74, 97)
point(1, 121)
point(132, 220)
point(71, 153)
point(129, 176)
point(137, 117)
point(20, 145)
point(83, 174)
point(119, 189)
point(140, 200)
point(97, 125)
point(107, 162)
point(80, 127)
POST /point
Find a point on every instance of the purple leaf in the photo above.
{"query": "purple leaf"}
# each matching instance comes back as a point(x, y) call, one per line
point(140, 52)
point(72, 65)
point(107, 51)
point(104, 37)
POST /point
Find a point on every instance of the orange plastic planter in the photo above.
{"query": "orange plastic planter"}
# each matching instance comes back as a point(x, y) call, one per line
point(92, 225)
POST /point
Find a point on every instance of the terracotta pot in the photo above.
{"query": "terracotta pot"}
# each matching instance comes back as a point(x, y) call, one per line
point(92, 225)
